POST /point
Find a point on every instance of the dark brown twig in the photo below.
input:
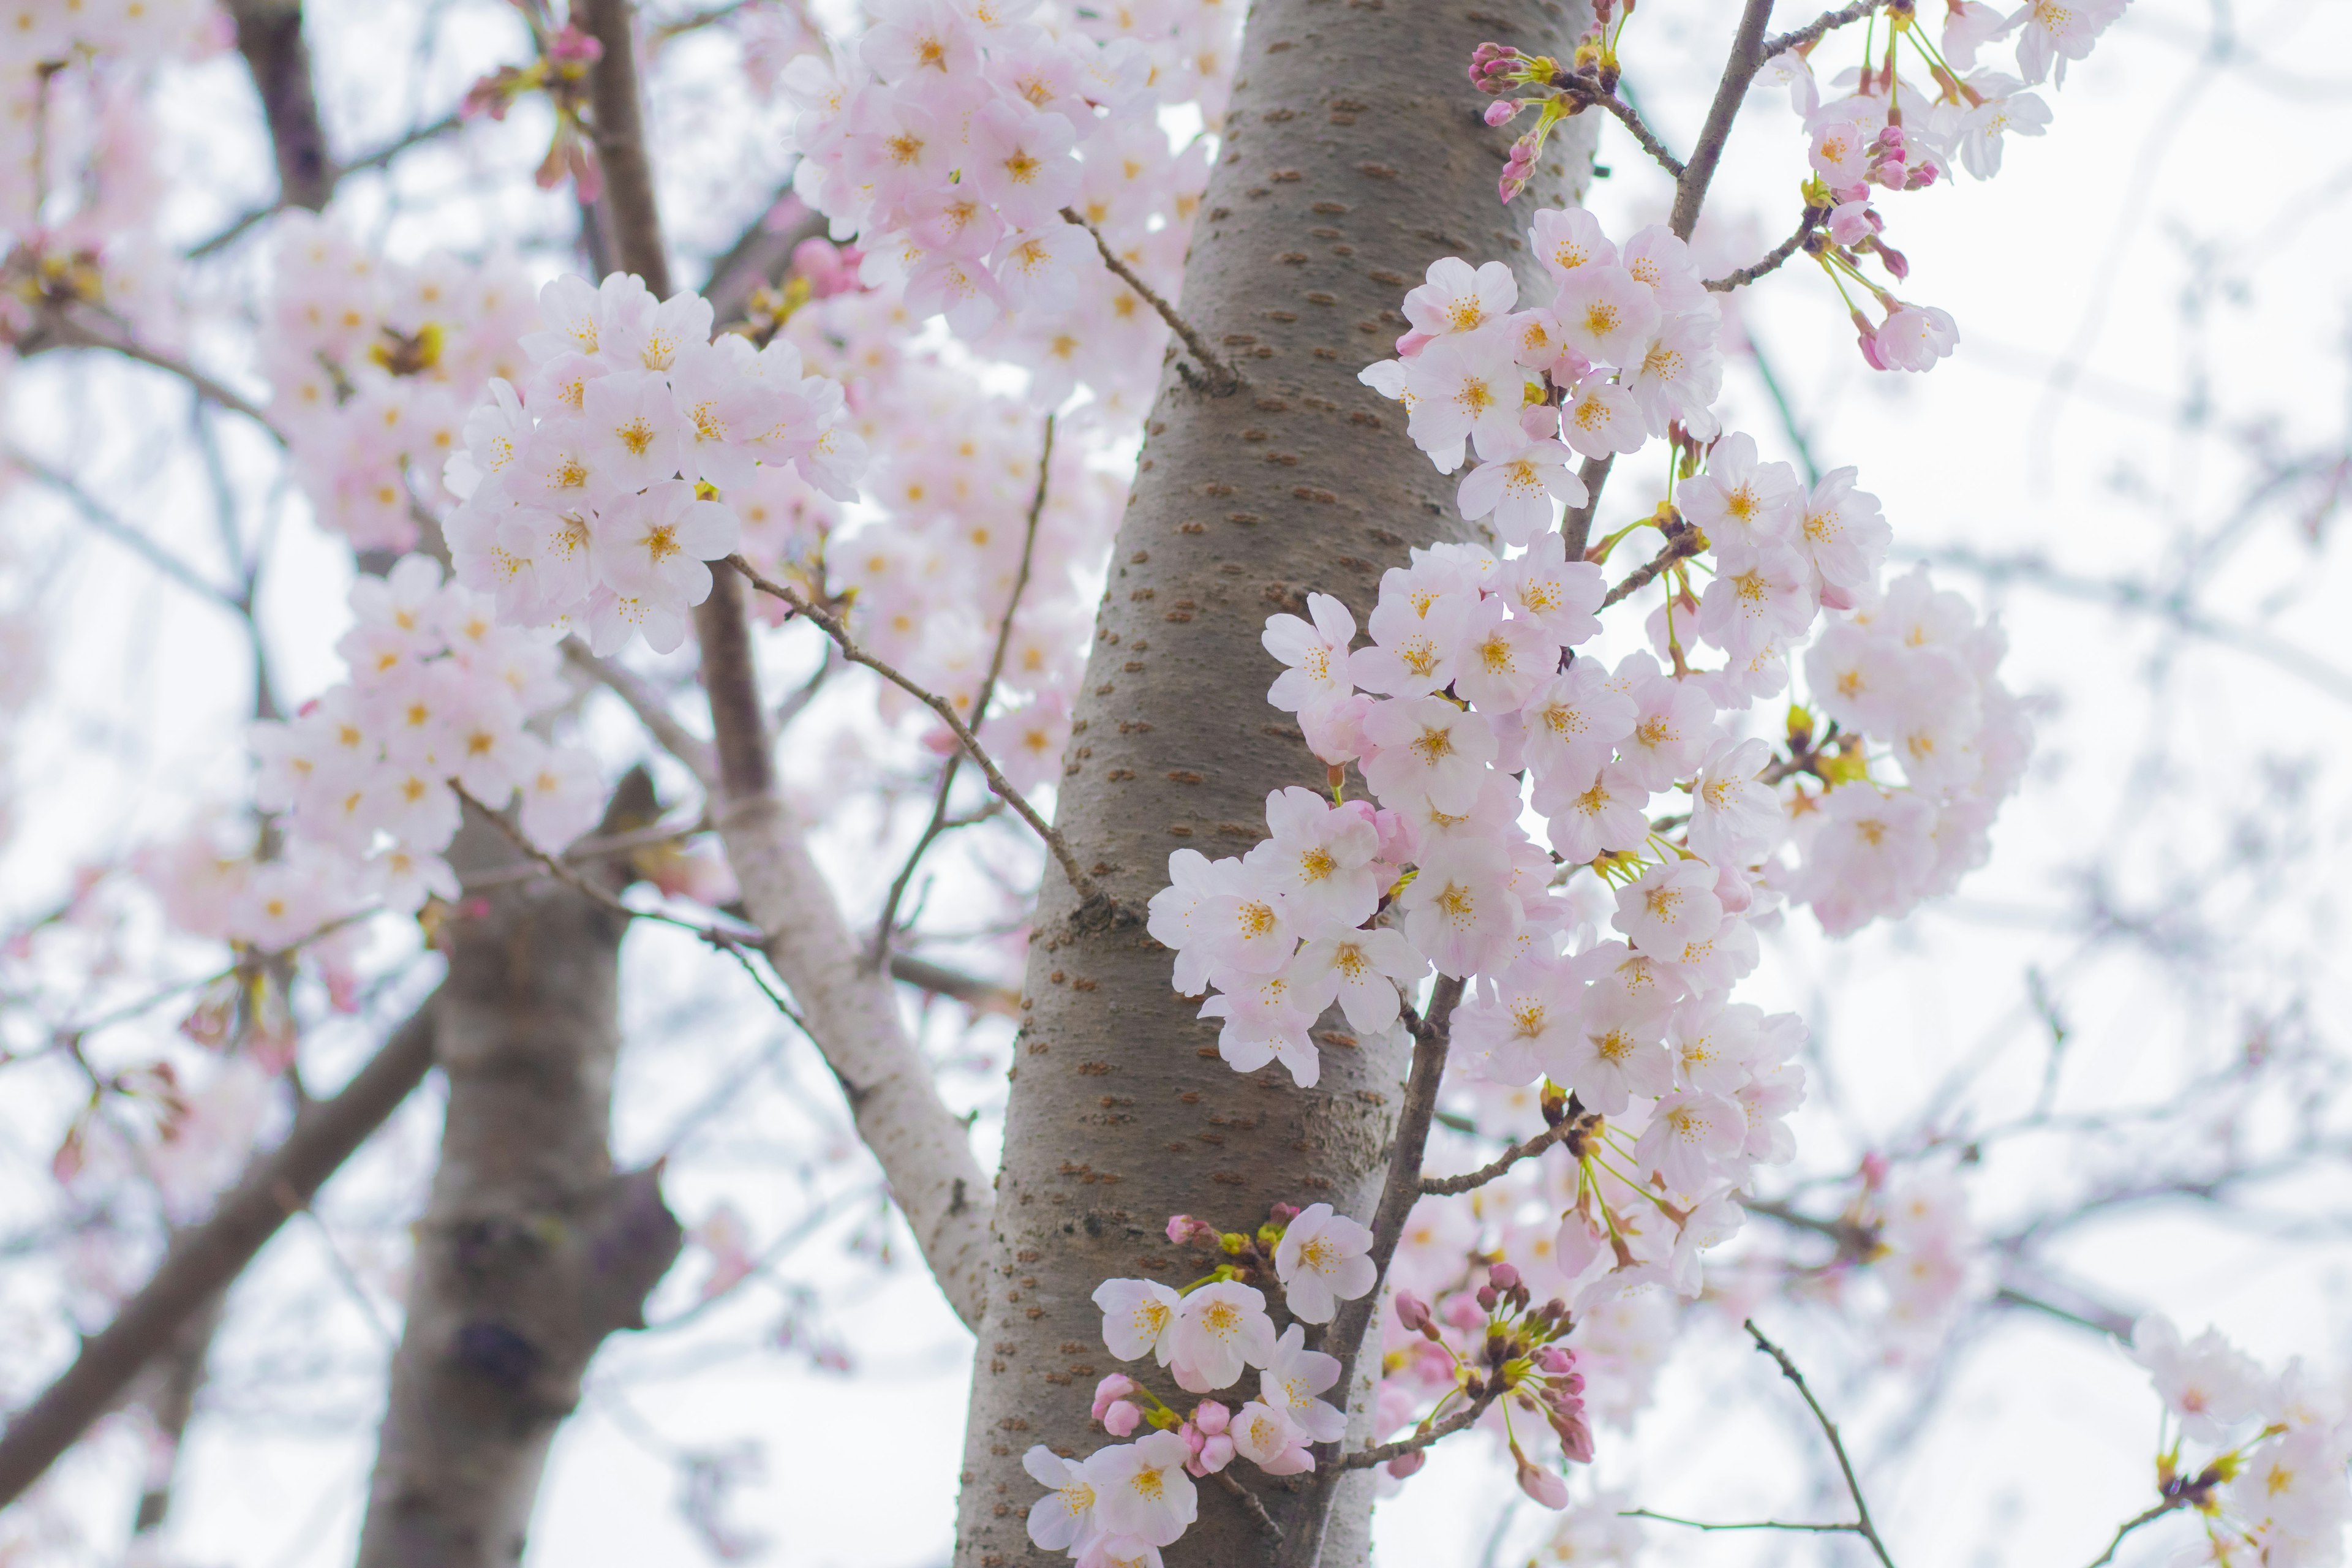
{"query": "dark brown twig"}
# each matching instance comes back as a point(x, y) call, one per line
point(1683, 543)
point(1826, 23)
point(1592, 94)
point(2154, 1513)
point(1223, 377)
point(1772, 258)
point(1448, 1186)
point(1747, 58)
point(1467, 1417)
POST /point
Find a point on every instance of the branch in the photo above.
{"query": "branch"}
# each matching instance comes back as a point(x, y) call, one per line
point(1223, 378)
point(2150, 1517)
point(100, 517)
point(385, 154)
point(1399, 1192)
point(1682, 541)
point(850, 1012)
point(205, 1257)
point(71, 333)
point(1748, 57)
point(1364, 1459)
point(1758, 1524)
point(1812, 32)
point(270, 36)
point(1773, 257)
point(1449, 1186)
point(1862, 1525)
point(947, 770)
point(1576, 522)
point(647, 704)
point(1587, 89)
point(832, 624)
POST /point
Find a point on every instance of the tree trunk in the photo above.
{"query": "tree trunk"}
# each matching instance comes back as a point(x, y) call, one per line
point(269, 36)
point(1354, 156)
point(531, 1250)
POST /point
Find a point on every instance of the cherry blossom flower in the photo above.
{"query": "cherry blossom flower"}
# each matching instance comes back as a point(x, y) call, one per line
point(1140, 1487)
point(1220, 1329)
point(1136, 1316)
point(1321, 1262)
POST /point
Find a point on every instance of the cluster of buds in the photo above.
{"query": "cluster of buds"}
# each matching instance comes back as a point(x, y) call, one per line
point(1495, 68)
point(1248, 1256)
point(1891, 164)
point(565, 55)
point(1518, 1357)
point(819, 270)
point(34, 279)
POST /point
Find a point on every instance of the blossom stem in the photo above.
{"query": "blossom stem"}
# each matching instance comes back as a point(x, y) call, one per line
point(1826, 23)
point(1448, 1186)
point(1780, 253)
point(1467, 1417)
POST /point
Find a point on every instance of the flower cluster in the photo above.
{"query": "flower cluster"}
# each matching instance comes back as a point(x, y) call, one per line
point(953, 139)
point(1887, 130)
point(1124, 1503)
point(2272, 1489)
point(1597, 968)
point(373, 365)
point(439, 695)
point(598, 493)
point(1513, 1357)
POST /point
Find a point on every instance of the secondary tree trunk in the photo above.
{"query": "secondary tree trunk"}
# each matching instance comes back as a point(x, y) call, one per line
point(1354, 156)
point(531, 1250)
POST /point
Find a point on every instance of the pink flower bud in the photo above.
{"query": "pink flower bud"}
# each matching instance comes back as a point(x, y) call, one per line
point(1873, 1169)
point(1541, 1485)
point(1575, 1440)
point(1282, 1213)
point(1184, 1230)
point(1118, 1385)
point(1412, 1311)
point(1503, 1277)
point(1486, 1298)
point(1555, 1361)
point(1463, 1312)
point(1215, 1455)
point(1405, 1465)
point(1502, 112)
point(1121, 1418)
point(1212, 1417)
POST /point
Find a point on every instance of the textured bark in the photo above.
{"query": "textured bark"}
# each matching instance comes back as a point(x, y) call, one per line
point(204, 1258)
point(1354, 156)
point(270, 36)
point(533, 1250)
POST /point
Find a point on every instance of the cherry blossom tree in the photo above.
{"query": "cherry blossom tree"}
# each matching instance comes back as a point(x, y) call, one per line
point(1369, 955)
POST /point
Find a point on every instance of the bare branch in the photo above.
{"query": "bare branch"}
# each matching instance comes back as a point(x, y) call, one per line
point(1399, 1192)
point(204, 1258)
point(382, 155)
point(1773, 257)
point(834, 627)
point(1748, 57)
point(1448, 1186)
point(1682, 541)
point(2154, 1513)
point(1820, 27)
point(646, 703)
point(1250, 1504)
point(1223, 377)
point(1587, 89)
point(69, 331)
point(1862, 1525)
point(1460, 1420)
point(949, 769)
point(104, 519)
point(1758, 1524)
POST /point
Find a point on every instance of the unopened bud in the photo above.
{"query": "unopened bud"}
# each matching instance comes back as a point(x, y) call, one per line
point(1503, 1277)
point(1413, 1313)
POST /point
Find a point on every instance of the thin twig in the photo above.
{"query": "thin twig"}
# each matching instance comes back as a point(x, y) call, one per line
point(1448, 1186)
point(101, 518)
point(1862, 1525)
point(1399, 1190)
point(1683, 544)
point(938, 821)
point(2150, 1517)
point(1586, 90)
point(1773, 257)
point(1756, 1524)
point(1365, 1459)
point(1082, 884)
point(646, 703)
point(1250, 1505)
point(72, 334)
point(1224, 378)
point(375, 160)
point(1826, 23)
